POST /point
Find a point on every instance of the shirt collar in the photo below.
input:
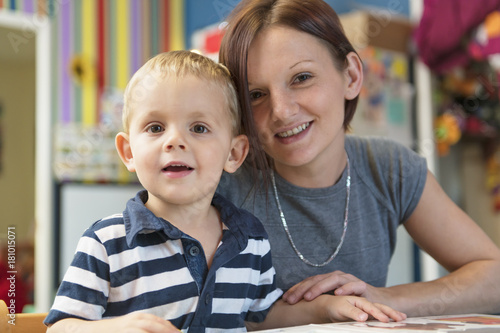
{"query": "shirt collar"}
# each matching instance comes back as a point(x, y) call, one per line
point(139, 219)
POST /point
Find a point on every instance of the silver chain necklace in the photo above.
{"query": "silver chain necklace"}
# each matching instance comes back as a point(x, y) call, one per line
point(285, 225)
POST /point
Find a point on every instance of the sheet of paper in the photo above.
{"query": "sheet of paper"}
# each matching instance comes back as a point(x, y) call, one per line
point(474, 323)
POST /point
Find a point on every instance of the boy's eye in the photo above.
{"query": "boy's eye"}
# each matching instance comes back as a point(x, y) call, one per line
point(199, 129)
point(155, 129)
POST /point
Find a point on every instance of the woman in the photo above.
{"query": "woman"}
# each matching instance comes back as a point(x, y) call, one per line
point(332, 202)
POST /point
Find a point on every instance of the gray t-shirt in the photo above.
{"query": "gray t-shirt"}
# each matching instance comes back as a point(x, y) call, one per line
point(387, 180)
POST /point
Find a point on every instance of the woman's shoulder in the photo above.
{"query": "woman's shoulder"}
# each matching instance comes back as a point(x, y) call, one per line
point(371, 150)
point(383, 162)
point(376, 144)
point(392, 171)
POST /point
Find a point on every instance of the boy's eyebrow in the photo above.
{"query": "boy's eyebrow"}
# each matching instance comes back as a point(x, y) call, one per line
point(200, 115)
point(193, 115)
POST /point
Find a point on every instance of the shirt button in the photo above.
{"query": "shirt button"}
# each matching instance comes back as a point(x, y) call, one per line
point(207, 299)
point(194, 251)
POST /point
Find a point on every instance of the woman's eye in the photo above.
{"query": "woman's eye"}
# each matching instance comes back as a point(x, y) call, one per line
point(155, 129)
point(302, 77)
point(199, 129)
point(254, 95)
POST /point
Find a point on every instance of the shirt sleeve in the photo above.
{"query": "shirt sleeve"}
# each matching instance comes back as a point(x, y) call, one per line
point(395, 174)
point(408, 180)
point(266, 293)
point(84, 290)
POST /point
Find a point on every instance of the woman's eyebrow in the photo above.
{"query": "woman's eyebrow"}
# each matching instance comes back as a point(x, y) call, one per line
point(300, 62)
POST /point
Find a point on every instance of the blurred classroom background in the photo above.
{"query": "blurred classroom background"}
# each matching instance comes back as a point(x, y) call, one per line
point(65, 63)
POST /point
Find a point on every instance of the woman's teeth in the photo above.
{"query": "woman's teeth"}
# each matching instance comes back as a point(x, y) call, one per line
point(293, 131)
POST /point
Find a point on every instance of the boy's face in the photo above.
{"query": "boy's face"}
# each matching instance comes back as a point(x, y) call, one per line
point(180, 140)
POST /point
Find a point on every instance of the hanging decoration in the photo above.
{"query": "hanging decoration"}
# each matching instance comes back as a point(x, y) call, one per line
point(464, 56)
point(466, 65)
point(447, 131)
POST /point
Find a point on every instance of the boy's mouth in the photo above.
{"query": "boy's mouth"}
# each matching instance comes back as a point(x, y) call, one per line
point(177, 168)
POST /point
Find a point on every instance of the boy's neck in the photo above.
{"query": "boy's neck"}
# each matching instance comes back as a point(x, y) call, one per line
point(199, 220)
point(190, 215)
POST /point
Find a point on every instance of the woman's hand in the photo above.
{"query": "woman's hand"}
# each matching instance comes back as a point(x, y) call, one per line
point(337, 282)
point(325, 309)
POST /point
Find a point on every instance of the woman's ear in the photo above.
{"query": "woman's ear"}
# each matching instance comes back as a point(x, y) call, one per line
point(238, 153)
point(122, 143)
point(354, 76)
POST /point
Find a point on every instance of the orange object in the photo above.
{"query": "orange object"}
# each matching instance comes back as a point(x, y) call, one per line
point(20, 322)
point(447, 132)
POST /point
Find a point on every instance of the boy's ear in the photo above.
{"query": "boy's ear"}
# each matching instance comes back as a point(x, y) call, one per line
point(354, 76)
point(122, 144)
point(238, 153)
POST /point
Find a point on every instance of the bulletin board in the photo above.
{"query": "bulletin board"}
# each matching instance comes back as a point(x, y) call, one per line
point(87, 153)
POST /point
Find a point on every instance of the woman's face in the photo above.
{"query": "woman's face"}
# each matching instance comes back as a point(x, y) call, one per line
point(297, 97)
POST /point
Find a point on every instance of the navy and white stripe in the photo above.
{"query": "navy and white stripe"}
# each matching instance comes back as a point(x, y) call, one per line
point(138, 262)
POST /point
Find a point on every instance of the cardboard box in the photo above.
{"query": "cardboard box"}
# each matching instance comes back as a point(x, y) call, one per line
point(379, 29)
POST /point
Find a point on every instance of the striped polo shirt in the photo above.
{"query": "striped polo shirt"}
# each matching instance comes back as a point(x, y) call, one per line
point(136, 261)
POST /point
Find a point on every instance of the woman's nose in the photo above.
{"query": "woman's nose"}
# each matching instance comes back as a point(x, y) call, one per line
point(282, 104)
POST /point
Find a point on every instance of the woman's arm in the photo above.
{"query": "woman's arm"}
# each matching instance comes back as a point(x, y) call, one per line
point(445, 232)
point(325, 309)
point(454, 240)
point(131, 323)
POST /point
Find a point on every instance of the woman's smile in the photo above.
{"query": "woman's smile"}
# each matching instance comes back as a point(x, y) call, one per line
point(294, 131)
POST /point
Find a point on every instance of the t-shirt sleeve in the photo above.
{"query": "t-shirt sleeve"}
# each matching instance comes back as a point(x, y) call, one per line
point(413, 179)
point(84, 290)
point(266, 292)
point(395, 173)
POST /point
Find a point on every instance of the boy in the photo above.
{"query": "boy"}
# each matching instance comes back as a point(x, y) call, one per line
point(181, 255)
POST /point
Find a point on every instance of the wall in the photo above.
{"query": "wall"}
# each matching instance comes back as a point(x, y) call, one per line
point(464, 177)
point(201, 13)
point(17, 135)
point(97, 46)
point(477, 199)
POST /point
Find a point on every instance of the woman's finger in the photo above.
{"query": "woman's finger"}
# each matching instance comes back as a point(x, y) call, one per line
point(357, 288)
point(312, 286)
point(317, 285)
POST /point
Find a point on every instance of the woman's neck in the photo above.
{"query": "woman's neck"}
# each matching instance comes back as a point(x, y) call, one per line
point(324, 171)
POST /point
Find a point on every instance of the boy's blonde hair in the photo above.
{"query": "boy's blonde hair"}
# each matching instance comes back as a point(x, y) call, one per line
point(180, 64)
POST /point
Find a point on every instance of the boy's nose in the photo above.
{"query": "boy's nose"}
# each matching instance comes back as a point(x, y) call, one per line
point(175, 140)
point(180, 146)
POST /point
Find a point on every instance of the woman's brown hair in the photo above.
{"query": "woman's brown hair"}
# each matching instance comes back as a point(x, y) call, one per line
point(249, 17)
